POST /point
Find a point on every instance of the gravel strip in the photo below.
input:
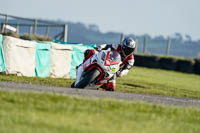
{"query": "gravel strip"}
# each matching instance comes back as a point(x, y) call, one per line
point(103, 94)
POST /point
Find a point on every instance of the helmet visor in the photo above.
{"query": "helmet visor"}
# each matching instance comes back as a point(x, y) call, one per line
point(127, 50)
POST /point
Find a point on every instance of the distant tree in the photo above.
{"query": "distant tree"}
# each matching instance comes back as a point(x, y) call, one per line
point(159, 38)
point(198, 42)
point(188, 38)
point(178, 37)
point(148, 37)
point(93, 27)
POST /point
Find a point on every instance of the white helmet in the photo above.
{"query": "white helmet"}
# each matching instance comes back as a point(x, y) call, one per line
point(128, 46)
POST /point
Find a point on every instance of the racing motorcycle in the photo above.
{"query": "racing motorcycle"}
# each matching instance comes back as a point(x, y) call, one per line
point(97, 70)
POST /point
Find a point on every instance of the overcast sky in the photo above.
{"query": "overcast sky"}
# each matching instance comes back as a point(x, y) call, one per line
point(154, 17)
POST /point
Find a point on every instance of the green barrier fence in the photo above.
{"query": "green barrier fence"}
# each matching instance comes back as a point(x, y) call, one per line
point(77, 57)
point(2, 64)
point(43, 52)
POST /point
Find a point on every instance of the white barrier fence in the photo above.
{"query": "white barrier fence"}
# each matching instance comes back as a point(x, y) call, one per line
point(60, 60)
point(20, 58)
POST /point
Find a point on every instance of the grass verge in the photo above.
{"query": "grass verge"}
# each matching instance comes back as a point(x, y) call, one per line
point(22, 112)
point(139, 80)
point(160, 82)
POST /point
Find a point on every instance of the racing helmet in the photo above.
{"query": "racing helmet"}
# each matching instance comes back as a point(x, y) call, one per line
point(128, 46)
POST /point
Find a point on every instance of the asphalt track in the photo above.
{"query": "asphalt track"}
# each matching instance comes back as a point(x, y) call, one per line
point(155, 99)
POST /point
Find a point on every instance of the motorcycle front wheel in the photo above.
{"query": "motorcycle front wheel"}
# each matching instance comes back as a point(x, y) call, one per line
point(88, 78)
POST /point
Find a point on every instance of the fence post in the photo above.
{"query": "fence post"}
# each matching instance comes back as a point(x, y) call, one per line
point(47, 31)
point(35, 26)
point(6, 21)
point(65, 32)
point(30, 30)
point(144, 45)
point(2, 27)
point(168, 46)
point(136, 46)
point(122, 38)
point(17, 27)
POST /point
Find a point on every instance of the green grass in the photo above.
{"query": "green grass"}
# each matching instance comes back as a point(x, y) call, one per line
point(22, 112)
point(139, 80)
point(59, 82)
point(160, 82)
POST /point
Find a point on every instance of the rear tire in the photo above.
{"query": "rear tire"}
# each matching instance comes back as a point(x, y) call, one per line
point(88, 78)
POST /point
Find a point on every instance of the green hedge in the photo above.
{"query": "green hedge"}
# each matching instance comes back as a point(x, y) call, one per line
point(168, 63)
point(148, 61)
point(185, 65)
point(197, 66)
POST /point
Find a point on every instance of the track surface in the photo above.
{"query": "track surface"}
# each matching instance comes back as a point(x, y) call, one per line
point(101, 94)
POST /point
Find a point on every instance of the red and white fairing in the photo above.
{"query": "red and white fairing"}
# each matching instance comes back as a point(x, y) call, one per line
point(106, 61)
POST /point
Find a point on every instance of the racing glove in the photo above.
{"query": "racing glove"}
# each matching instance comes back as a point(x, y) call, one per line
point(122, 73)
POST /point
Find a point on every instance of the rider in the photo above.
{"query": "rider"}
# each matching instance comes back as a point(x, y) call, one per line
point(126, 50)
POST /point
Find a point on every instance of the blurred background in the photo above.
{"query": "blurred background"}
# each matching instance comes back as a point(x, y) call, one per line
point(160, 27)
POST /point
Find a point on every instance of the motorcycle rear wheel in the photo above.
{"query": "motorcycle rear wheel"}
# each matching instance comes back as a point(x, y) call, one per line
point(88, 78)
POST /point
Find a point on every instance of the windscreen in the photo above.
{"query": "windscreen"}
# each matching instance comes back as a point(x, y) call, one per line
point(114, 57)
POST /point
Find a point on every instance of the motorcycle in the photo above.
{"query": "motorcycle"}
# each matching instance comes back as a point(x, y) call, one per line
point(97, 70)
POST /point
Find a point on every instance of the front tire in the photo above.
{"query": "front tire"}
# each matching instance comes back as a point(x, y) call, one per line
point(88, 78)
point(72, 85)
